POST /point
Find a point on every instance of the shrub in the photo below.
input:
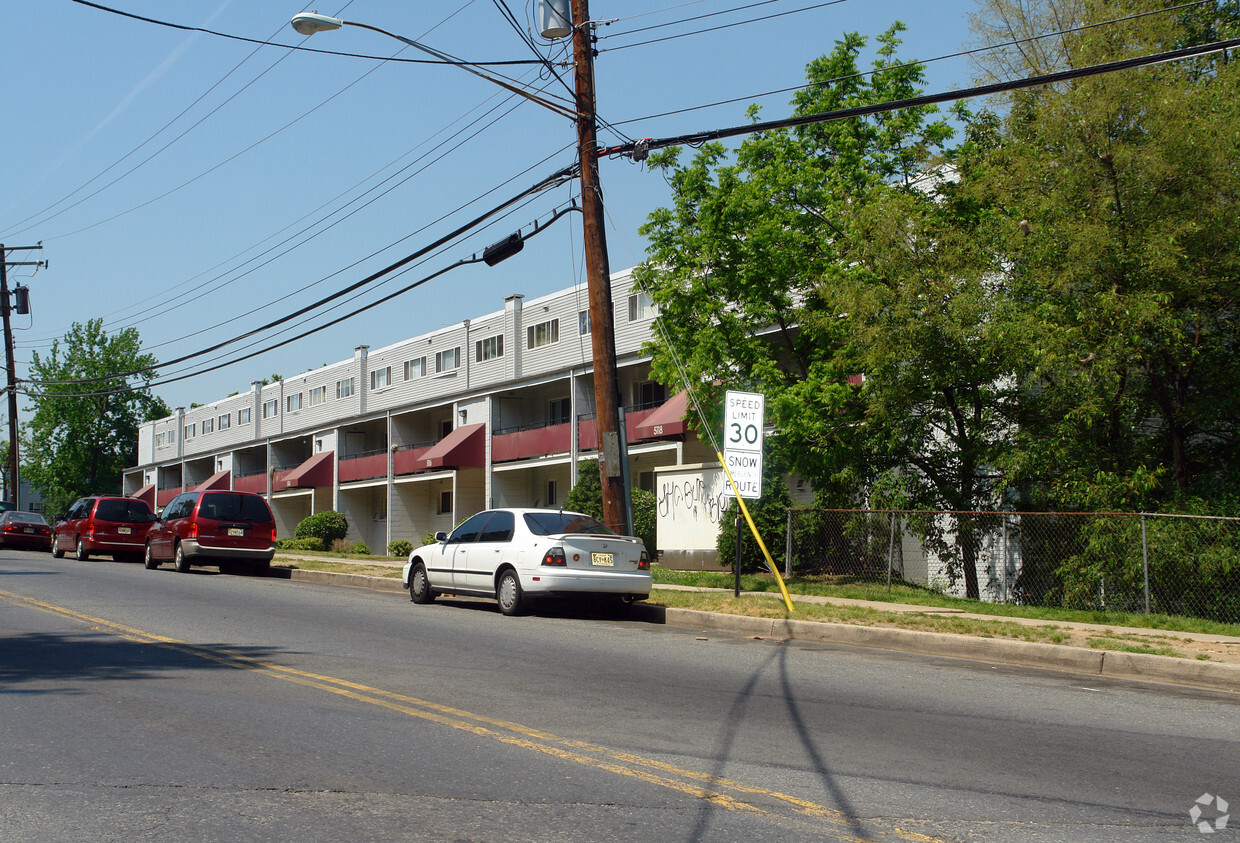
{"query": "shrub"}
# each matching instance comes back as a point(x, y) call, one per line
point(400, 548)
point(429, 538)
point(311, 543)
point(327, 526)
point(587, 495)
point(361, 549)
point(645, 519)
point(341, 546)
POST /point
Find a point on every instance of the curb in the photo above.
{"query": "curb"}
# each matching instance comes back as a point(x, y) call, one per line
point(1212, 676)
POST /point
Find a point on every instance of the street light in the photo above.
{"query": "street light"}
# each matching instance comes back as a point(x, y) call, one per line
point(598, 271)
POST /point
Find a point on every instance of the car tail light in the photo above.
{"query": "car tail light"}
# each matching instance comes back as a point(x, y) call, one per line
point(643, 564)
point(193, 531)
point(90, 531)
point(273, 533)
point(555, 556)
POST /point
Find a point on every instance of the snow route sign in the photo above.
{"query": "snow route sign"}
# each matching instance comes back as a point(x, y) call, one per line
point(743, 418)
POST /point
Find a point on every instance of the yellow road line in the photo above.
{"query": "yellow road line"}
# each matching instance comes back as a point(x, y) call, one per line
point(705, 786)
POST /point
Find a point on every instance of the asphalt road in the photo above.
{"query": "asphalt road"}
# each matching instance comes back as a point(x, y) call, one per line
point(150, 705)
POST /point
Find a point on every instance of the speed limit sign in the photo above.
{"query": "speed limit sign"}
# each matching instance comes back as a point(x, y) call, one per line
point(743, 417)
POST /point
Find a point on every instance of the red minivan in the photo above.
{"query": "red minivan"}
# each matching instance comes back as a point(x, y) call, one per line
point(111, 524)
point(229, 529)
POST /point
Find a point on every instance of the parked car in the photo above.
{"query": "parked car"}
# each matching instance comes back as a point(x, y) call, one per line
point(228, 529)
point(111, 524)
point(25, 529)
point(513, 555)
point(5, 506)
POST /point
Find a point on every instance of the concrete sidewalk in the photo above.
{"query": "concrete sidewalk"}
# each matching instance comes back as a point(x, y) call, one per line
point(1189, 672)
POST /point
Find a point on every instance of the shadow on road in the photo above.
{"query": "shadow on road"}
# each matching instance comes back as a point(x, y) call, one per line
point(28, 663)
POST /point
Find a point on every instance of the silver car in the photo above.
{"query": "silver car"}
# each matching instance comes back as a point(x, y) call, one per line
point(513, 555)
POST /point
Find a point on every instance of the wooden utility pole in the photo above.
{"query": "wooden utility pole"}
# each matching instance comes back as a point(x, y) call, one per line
point(9, 366)
point(598, 278)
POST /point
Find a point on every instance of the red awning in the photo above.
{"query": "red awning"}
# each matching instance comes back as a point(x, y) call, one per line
point(464, 447)
point(316, 471)
point(667, 420)
point(146, 493)
point(219, 480)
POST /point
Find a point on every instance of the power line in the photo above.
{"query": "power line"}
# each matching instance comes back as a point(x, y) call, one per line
point(921, 62)
point(639, 149)
point(475, 258)
point(550, 181)
point(187, 28)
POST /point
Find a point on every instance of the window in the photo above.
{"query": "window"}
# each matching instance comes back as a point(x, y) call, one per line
point(561, 411)
point(447, 360)
point(445, 427)
point(489, 348)
point(381, 378)
point(317, 395)
point(583, 322)
point(544, 333)
point(500, 527)
point(243, 415)
point(271, 408)
point(168, 437)
point(344, 388)
point(415, 368)
point(292, 403)
point(650, 394)
point(224, 421)
point(641, 307)
point(208, 426)
point(551, 493)
point(445, 503)
point(191, 431)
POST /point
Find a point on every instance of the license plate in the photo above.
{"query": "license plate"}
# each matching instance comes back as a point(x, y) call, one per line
point(603, 560)
point(124, 531)
point(28, 529)
point(236, 531)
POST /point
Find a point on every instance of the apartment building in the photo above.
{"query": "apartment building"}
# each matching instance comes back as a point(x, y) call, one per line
point(497, 410)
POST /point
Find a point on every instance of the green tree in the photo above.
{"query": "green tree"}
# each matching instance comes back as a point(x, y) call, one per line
point(1123, 249)
point(881, 348)
point(87, 409)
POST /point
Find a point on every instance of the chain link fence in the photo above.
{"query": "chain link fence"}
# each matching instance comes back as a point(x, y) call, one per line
point(1133, 562)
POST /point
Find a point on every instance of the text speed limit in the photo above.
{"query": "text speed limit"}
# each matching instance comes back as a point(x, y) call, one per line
point(743, 419)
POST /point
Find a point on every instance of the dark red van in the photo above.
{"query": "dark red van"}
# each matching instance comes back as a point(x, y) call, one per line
point(111, 524)
point(229, 529)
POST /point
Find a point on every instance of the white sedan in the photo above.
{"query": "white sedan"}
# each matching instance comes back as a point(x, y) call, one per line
point(515, 554)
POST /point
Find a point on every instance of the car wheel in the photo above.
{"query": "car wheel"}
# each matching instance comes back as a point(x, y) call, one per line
point(148, 560)
point(57, 551)
point(82, 553)
point(181, 563)
point(420, 590)
point(509, 593)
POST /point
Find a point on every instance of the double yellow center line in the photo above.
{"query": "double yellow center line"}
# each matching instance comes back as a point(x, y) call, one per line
point(781, 809)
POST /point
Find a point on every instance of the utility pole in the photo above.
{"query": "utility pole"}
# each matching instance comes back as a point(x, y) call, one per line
point(598, 278)
point(9, 366)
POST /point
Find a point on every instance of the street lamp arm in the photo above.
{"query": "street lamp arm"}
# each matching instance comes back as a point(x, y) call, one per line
point(308, 23)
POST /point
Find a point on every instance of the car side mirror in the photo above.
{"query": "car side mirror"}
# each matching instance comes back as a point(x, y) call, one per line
point(441, 536)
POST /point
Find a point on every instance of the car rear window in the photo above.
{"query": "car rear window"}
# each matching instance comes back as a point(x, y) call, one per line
point(118, 510)
point(555, 523)
point(228, 506)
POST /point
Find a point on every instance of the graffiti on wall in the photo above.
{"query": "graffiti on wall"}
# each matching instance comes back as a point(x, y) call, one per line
point(691, 498)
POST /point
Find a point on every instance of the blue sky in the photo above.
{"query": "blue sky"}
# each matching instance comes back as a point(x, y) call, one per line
point(196, 187)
